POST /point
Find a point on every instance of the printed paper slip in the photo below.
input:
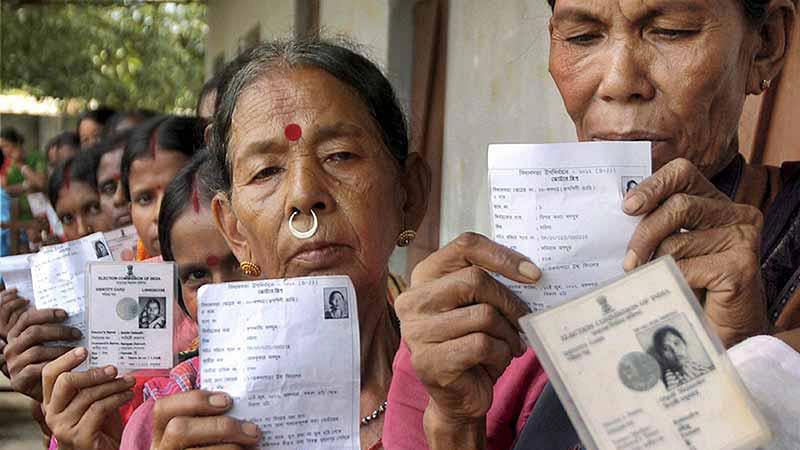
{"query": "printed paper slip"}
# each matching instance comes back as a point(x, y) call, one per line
point(16, 271)
point(288, 352)
point(58, 273)
point(561, 205)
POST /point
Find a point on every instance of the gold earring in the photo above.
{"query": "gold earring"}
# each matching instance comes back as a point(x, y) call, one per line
point(250, 269)
point(406, 237)
point(765, 84)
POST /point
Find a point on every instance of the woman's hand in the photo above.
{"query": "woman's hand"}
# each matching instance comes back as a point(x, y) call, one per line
point(460, 325)
point(195, 419)
point(82, 408)
point(11, 308)
point(26, 353)
point(719, 252)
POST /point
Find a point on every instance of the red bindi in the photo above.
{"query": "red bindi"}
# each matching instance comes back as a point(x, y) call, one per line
point(117, 177)
point(212, 261)
point(293, 132)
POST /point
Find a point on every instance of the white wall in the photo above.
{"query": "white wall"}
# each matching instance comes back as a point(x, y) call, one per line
point(230, 20)
point(498, 90)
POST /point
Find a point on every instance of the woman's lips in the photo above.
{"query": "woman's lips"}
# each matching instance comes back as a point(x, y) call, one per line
point(317, 256)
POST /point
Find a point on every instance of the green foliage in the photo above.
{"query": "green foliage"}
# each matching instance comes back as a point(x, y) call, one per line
point(124, 54)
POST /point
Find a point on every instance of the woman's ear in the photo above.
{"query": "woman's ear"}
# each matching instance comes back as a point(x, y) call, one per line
point(230, 227)
point(417, 185)
point(774, 42)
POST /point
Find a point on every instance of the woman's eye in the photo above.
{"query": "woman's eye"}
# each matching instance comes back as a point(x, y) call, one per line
point(341, 156)
point(673, 34)
point(197, 275)
point(267, 172)
point(66, 219)
point(584, 39)
point(143, 199)
point(109, 188)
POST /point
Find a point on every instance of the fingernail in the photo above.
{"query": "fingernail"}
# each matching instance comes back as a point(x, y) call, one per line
point(631, 261)
point(76, 333)
point(250, 429)
point(528, 270)
point(219, 400)
point(60, 314)
point(110, 371)
point(129, 379)
point(633, 203)
point(80, 352)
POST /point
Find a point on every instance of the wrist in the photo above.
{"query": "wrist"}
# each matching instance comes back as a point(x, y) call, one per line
point(444, 432)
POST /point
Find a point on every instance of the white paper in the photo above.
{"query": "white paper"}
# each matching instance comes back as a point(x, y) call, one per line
point(16, 271)
point(288, 352)
point(561, 206)
point(40, 206)
point(122, 243)
point(130, 315)
point(625, 388)
point(58, 273)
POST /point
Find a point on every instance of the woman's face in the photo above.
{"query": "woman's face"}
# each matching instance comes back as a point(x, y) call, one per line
point(108, 183)
point(89, 132)
point(78, 208)
point(147, 180)
point(674, 72)
point(674, 350)
point(339, 166)
point(212, 262)
point(153, 309)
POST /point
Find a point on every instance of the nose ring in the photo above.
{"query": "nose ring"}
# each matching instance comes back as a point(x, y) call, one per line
point(303, 234)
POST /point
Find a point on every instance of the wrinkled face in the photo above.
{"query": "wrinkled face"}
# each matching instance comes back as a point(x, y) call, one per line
point(301, 139)
point(78, 208)
point(147, 180)
point(108, 183)
point(212, 262)
point(674, 349)
point(89, 132)
point(669, 71)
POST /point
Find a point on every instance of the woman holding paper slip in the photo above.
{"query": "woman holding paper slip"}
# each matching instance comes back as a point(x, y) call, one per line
point(675, 73)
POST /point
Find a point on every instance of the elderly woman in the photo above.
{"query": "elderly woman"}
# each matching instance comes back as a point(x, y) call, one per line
point(675, 73)
point(311, 165)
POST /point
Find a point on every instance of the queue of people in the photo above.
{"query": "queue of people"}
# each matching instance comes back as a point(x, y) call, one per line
point(302, 132)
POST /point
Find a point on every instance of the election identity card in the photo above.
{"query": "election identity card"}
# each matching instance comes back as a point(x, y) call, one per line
point(288, 352)
point(130, 315)
point(637, 366)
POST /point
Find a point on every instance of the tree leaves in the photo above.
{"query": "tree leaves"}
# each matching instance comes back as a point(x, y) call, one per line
point(143, 55)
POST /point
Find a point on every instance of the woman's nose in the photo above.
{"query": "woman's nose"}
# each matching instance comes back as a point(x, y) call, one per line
point(119, 197)
point(625, 77)
point(307, 189)
point(84, 227)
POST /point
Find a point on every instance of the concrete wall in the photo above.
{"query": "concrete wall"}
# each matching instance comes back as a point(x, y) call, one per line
point(229, 22)
point(37, 130)
point(498, 91)
point(498, 86)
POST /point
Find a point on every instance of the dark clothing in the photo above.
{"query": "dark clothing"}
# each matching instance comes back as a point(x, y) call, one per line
point(776, 192)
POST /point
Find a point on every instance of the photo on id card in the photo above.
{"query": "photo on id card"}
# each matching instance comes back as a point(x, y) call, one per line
point(129, 314)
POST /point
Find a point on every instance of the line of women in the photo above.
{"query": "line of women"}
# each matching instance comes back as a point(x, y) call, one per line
point(309, 135)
